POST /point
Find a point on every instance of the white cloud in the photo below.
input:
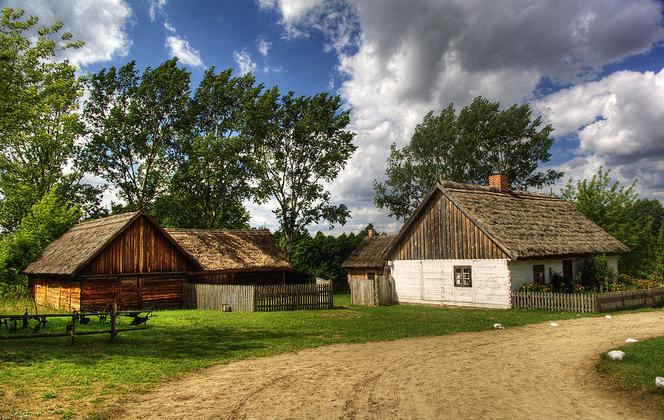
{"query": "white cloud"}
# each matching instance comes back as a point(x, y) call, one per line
point(402, 59)
point(180, 48)
point(156, 7)
point(102, 24)
point(244, 61)
point(168, 26)
point(263, 46)
point(618, 120)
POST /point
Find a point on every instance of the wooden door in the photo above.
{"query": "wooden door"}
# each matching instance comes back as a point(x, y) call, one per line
point(130, 293)
point(568, 271)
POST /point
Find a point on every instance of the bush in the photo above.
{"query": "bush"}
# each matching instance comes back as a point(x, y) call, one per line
point(535, 287)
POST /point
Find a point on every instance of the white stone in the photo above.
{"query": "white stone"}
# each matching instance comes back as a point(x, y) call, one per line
point(608, 316)
point(659, 381)
point(498, 326)
point(631, 340)
point(554, 324)
point(616, 355)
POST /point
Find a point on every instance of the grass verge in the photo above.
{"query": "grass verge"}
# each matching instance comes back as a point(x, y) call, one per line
point(51, 377)
point(643, 362)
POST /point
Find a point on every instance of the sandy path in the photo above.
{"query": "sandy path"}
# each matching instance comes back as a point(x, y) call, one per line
point(536, 371)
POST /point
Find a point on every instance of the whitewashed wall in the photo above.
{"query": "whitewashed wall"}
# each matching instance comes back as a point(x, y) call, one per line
point(432, 281)
point(522, 271)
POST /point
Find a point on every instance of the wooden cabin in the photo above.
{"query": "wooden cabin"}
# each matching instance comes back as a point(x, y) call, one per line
point(127, 257)
point(368, 260)
point(472, 245)
point(232, 256)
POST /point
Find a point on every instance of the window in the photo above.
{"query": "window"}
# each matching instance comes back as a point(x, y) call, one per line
point(462, 276)
point(371, 276)
point(538, 273)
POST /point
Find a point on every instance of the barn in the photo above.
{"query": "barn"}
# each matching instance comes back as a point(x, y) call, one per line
point(368, 260)
point(128, 257)
point(471, 245)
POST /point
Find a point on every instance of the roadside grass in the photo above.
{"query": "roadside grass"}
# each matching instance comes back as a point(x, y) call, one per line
point(54, 378)
point(643, 362)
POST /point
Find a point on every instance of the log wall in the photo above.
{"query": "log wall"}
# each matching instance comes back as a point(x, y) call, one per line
point(134, 292)
point(442, 231)
point(56, 293)
point(141, 248)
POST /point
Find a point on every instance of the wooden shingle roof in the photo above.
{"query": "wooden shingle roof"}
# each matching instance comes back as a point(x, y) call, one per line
point(369, 253)
point(219, 250)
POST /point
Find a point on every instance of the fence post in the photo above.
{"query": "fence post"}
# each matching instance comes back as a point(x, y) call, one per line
point(114, 317)
point(72, 331)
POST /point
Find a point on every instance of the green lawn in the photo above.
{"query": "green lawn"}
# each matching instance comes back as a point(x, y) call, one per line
point(50, 376)
point(643, 362)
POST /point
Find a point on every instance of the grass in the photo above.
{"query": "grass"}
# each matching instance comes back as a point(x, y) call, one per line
point(643, 362)
point(53, 377)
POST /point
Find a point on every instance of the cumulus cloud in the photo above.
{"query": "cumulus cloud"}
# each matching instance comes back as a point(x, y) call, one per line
point(180, 48)
point(401, 59)
point(618, 120)
point(244, 62)
point(102, 24)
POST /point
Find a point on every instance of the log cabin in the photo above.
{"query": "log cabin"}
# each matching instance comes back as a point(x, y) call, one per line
point(128, 258)
point(367, 260)
point(472, 245)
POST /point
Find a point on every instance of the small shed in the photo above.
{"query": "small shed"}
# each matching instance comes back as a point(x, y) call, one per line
point(368, 260)
point(128, 258)
point(232, 256)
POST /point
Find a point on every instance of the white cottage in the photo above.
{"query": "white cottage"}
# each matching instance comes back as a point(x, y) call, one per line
point(472, 245)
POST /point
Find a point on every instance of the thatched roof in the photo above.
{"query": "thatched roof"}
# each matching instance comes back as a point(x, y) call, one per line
point(72, 251)
point(368, 253)
point(528, 225)
point(232, 250)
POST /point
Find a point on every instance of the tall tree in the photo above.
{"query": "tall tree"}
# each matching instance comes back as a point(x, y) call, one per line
point(132, 121)
point(305, 144)
point(215, 163)
point(481, 140)
point(618, 210)
point(39, 122)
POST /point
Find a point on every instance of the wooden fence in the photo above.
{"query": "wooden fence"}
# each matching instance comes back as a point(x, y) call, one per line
point(379, 291)
point(263, 298)
point(588, 302)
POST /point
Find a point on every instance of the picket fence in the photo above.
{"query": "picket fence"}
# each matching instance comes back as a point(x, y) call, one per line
point(259, 298)
point(588, 302)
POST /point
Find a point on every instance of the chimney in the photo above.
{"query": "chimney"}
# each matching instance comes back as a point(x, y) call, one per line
point(499, 182)
point(371, 233)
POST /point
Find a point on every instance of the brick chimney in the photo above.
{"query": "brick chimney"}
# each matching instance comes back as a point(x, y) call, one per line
point(371, 233)
point(499, 182)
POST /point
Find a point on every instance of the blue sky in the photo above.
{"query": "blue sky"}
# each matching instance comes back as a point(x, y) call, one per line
point(592, 68)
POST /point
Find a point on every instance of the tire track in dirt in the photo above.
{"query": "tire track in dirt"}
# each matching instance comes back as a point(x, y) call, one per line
point(535, 371)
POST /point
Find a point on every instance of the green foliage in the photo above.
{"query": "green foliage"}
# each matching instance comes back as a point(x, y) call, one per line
point(215, 167)
point(480, 141)
point(39, 122)
point(303, 144)
point(595, 273)
point(46, 220)
point(132, 121)
point(183, 341)
point(634, 221)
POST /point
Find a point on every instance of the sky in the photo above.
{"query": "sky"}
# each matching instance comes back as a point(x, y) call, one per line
point(593, 69)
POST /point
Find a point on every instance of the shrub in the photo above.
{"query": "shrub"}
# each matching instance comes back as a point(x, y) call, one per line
point(535, 287)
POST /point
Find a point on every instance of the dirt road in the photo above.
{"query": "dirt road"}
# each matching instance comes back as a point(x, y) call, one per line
point(536, 371)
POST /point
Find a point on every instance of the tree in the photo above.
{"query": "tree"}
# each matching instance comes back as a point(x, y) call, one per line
point(215, 164)
point(618, 210)
point(46, 220)
point(304, 145)
point(39, 122)
point(132, 121)
point(480, 141)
